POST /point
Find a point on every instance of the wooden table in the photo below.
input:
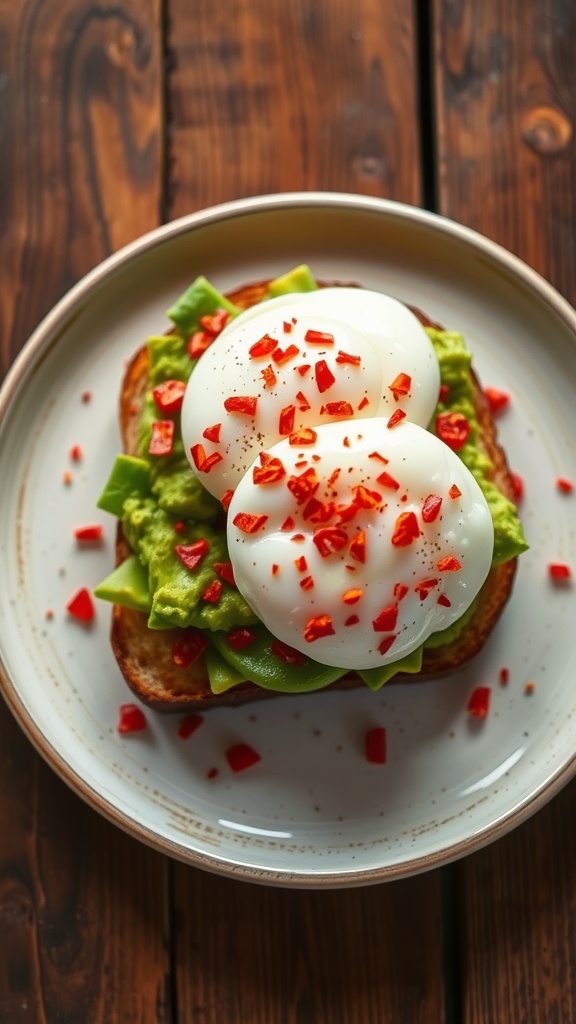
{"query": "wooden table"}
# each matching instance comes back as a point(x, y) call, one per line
point(114, 118)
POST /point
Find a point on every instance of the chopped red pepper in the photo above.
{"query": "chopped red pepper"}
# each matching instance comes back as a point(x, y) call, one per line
point(225, 571)
point(406, 530)
point(444, 601)
point(169, 395)
point(454, 492)
point(162, 440)
point(559, 571)
point(353, 595)
point(249, 523)
point(301, 563)
point(269, 377)
point(81, 606)
point(191, 555)
point(365, 498)
point(240, 638)
point(287, 654)
point(86, 397)
point(324, 376)
point(281, 356)
point(241, 756)
point(287, 525)
point(344, 357)
point(307, 583)
point(400, 591)
point(397, 416)
point(352, 620)
point(214, 323)
point(263, 347)
point(479, 702)
point(303, 437)
point(358, 547)
point(401, 385)
point(226, 499)
point(286, 420)
point(453, 428)
point(244, 404)
point(443, 393)
point(363, 403)
point(76, 453)
point(375, 745)
point(188, 647)
point(212, 433)
point(213, 592)
point(302, 369)
point(329, 539)
point(448, 564)
point(386, 620)
point(339, 409)
point(303, 403)
point(497, 400)
point(316, 511)
point(517, 487)
point(198, 342)
point(385, 644)
point(89, 534)
point(189, 725)
point(504, 676)
point(564, 486)
point(304, 485)
point(131, 718)
point(203, 462)
point(387, 481)
point(319, 337)
point(270, 472)
point(431, 508)
point(318, 626)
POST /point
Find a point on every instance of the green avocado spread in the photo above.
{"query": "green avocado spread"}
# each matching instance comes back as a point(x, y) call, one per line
point(162, 504)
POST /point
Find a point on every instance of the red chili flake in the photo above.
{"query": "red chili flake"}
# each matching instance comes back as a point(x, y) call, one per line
point(375, 745)
point(448, 564)
point(303, 369)
point(304, 485)
point(362, 405)
point(324, 376)
point(317, 627)
point(287, 525)
point(303, 403)
point(241, 756)
point(304, 436)
point(353, 595)
point(270, 472)
point(169, 395)
point(198, 342)
point(358, 547)
point(212, 773)
point(162, 440)
point(401, 385)
point(479, 702)
point(263, 347)
point(86, 397)
point(76, 453)
point(189, 725)
point(249, 523)
point(180, 527)
point(269, 377)
point(130, 719)
point(386, 619)
point(307, 583)
point(352, 620)
point(289, 655)
point(49, 614)
point(286, 420)
point(339, 409)
point(529, 687)
point(318, 337)
point(213, 592)
point(425, 587)
point(240, 638)
point(245, 404)
point(454, 492)
point(443, 393)
point(284, 356)
point(316, 511)
point(225, 571)
point(431, 508)
point(226, 499)
point(406, 530)
point(397, 416)
point(400, 591)
point(559, 572)
point(379, 457)
point(81, 606)
point(497, 400)
point(333, 477)
point(517, 487)
point(564, 486)
point(453, 428)
point(504, 676)
point(329, 539)
point(387, 481)
point(301, 463)
point(212, 433)
point(214, 323)
point(444, 601)
point(89, 534)
point(192, 554)
point(385, 644)
point(345, 357)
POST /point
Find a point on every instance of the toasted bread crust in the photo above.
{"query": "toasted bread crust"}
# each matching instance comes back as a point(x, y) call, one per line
point(145, 656)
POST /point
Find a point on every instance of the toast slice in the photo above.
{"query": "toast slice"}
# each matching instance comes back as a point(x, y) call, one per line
point(145, 655)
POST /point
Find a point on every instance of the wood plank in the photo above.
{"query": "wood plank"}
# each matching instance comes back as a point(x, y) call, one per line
point(505, 110)
point(82, 906)
point(264, 97)
point(269, 97)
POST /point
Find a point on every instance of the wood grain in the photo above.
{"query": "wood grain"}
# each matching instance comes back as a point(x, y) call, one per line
point(505, 112)
point(270, 97)
point(83, 916)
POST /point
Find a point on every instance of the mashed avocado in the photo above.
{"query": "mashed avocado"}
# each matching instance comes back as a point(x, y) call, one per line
point(162, 505)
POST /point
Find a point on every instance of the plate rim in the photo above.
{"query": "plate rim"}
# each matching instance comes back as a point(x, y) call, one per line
point(47, 332)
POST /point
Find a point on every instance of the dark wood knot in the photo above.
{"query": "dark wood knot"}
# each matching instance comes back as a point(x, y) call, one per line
point(547, 130)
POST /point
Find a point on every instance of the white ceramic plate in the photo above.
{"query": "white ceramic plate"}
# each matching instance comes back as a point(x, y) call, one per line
point(313, 812)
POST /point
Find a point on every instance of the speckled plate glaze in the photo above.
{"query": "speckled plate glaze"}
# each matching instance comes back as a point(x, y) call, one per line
point(313, 812)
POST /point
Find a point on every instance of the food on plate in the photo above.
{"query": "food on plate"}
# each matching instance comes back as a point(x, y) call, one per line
point(311, 495)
